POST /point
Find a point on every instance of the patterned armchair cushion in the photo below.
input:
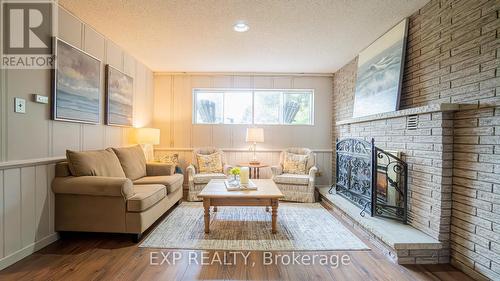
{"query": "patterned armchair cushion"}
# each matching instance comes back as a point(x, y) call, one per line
point(211, 163)
point(205, 178)
point(292, 179)
point(311, 161)
point(295, 163)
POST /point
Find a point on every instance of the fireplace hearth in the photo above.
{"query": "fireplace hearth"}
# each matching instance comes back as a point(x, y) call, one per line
point(371, 178)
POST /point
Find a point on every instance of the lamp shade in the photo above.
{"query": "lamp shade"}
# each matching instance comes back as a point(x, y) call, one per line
point(148, 136)
point(255, 135)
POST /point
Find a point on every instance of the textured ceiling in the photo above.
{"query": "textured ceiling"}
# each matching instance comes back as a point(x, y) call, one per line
point(284, 36)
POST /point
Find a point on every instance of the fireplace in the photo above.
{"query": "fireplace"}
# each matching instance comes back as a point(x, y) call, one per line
point(373, 179)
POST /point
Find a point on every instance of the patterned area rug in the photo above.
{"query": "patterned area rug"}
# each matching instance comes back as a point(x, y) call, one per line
point(301, 227)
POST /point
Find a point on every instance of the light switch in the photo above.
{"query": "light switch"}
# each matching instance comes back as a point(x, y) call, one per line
point(40, 98)
point(20, 105)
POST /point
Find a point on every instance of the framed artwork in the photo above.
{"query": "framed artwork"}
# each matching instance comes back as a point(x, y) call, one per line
point(76, 87)
point(119, 97)
point(380, 72)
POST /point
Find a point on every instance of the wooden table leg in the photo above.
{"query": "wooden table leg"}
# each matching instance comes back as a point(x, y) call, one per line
point(215, 209)
point(258, 173)
point(274, 205)
point(206, 205)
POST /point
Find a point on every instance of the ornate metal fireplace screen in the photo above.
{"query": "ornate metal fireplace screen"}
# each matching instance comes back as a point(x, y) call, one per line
point(373, 179)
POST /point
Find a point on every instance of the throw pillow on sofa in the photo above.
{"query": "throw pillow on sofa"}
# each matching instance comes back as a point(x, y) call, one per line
point(103, 163)
point(132, 160)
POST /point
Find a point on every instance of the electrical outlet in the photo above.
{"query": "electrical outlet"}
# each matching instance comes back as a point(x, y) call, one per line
point(19, 105)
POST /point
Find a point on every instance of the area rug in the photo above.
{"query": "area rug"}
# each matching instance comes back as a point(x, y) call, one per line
point(301, 227)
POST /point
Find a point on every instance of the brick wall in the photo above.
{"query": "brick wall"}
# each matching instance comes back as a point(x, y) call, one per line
point(453, 55)
point(428, 153)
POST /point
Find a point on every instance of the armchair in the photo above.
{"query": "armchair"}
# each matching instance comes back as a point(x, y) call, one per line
point(197, 180)
point(296, 187)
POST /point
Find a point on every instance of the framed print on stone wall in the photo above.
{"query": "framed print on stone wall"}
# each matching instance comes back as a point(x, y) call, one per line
point(119, 97)
point(76, 87)
point(380, 72)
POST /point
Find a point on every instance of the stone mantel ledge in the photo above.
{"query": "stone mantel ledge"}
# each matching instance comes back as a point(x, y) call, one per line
point(441, 107)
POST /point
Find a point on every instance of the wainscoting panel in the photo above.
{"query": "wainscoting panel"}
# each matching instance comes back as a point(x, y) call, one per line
point(12, 211)
point(26, 208)
point(2, 205)
point(270, 157)
point(28, 224)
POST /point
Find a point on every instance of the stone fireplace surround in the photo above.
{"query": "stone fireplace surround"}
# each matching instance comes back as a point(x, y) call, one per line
point(424, 135)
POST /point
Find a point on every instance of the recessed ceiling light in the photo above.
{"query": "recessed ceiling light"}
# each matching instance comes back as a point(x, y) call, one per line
point(241, 27)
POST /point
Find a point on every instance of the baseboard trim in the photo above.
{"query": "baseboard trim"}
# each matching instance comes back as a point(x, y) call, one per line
point(28, 250)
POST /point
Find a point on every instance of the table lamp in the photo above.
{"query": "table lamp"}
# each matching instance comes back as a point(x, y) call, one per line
point(147, 137)
point(255, 135)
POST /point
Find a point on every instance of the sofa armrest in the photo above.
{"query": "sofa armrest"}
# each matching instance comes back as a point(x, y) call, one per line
point(312, 173)
point(191, 171)
point(276, 170)
point(159, 169)
point(226, 169)
point(93, 186)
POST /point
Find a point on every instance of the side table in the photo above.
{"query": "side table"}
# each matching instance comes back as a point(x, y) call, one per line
point(254, 169)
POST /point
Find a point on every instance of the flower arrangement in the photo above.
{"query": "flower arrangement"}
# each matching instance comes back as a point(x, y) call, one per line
point(235, 172)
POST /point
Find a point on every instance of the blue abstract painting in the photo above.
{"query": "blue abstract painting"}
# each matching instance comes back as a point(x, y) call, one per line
point(77, 85)
point(119, 97)
point(380, 66)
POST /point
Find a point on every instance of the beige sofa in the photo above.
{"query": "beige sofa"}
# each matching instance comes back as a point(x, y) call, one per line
point(113, 190)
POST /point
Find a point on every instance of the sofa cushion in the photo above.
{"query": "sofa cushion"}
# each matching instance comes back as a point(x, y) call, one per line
point(205, 178)
point(94, 163)
point(295, 163)
point(292, 179)
point(132, 160)
point(211, 163)
point(172, 182)
point(145, 196)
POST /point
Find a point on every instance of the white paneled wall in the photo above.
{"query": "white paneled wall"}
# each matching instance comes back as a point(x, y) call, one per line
point(26, 208)
point(26, 199)
point(54, 137)
point(173, 111)
point(269, 157)
point(173, 115)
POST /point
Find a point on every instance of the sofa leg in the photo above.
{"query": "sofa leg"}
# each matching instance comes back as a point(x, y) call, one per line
point(137, 237)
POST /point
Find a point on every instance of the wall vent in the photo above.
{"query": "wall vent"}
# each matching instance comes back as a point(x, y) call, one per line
point(412, 122)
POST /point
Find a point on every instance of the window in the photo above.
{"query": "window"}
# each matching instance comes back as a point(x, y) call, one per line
point(266, 107)
point(237, 107)
point(209, 107)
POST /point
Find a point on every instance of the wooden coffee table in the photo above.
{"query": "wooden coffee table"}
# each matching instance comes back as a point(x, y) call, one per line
point(215, 194)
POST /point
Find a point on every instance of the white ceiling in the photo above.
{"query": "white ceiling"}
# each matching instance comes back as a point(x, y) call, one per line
point(301, 36)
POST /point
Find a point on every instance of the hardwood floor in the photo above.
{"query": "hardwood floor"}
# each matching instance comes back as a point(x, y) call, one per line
point(116, 257)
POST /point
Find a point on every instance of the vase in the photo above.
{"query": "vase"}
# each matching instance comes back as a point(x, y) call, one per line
point(235, 179)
